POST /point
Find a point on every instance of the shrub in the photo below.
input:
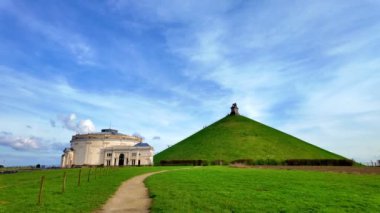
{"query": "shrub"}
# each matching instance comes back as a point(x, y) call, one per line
point(273, 162)
point(319, 162)
point(183, 163)
point(218, 162)
point(260, 162)
point(257, 162)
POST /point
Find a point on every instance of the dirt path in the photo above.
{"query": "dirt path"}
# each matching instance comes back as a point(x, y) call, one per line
point(131, 196)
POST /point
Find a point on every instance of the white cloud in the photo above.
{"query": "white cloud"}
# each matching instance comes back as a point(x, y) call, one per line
point(29, 143)
point(86, 126)
point(18, 143)
point(128, 112)
point(327, 67)
point(308, 68)
point(70, 122)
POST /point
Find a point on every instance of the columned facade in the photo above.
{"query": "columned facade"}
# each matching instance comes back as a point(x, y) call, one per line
point(108, 148)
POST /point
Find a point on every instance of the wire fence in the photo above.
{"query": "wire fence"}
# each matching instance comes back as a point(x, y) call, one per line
point(60, 183)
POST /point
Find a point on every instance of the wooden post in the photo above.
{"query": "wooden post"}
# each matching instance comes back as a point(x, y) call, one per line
point(80, 171)
point(64, 182)
point(88, 176)
point(41, 189)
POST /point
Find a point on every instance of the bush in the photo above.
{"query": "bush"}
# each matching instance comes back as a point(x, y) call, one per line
point(319, 162)
point(218, 162)
point(260, 162)
point(273, 162)
point(257, 162)
point(183, 163)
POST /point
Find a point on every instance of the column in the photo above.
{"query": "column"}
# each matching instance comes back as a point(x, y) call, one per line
point(113, 158)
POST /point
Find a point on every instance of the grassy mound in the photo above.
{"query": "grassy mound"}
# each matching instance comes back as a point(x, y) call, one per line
point(238, 137)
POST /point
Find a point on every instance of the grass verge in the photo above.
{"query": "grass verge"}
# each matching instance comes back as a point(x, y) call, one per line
point(19, 192)
point(224, 189)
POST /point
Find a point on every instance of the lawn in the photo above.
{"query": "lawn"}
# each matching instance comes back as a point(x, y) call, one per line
point(19, 192)
point(225, 189)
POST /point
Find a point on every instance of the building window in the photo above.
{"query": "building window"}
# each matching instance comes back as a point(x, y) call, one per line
point(133, 162)
point(108, 162)
point(109, 154)
point(134, 154)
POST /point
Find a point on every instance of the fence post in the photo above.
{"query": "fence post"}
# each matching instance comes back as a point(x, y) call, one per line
point(64, 182)
point(41, 188)
point(88, 176)
point(80, 171)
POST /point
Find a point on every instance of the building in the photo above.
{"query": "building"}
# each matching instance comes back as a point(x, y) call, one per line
point(108, 148)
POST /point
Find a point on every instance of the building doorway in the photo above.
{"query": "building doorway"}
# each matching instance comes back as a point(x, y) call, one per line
point(121, 160)
point(138, 162)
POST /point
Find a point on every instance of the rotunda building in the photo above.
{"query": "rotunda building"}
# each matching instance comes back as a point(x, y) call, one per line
point(108, 148)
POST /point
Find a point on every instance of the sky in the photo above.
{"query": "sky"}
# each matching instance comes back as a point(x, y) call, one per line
point(165, 69)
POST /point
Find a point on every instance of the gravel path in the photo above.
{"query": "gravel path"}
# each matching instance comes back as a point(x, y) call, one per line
point(132, 196)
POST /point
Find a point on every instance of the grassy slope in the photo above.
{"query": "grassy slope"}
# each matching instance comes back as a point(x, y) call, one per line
point(18, 192)
point(223, 189)
point(237, 137)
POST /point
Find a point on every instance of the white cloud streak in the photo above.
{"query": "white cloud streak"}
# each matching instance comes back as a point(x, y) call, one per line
point(300, 54)
point(67, 39)
point(31, 143)
point(70, 122)
point(309, 68)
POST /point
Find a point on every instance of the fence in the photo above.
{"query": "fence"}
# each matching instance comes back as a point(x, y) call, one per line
point(74, 177)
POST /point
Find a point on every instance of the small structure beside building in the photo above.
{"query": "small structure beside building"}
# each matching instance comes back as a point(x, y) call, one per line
point(107, 148)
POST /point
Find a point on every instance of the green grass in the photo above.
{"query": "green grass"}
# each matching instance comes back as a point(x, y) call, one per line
point(19, 192)
point(238, 137)
point(224, 189)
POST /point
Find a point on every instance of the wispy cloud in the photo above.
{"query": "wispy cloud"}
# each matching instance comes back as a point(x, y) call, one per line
point(63, 37)
point(26, 143)
point(70, 122)
point(168, 68)
point(297, 71)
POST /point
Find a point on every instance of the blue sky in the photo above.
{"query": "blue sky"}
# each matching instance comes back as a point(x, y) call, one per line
point(165, 69)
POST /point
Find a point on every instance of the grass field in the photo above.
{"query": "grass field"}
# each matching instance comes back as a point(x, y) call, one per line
point(238, 137)
point(225, 189)
point(19, 192)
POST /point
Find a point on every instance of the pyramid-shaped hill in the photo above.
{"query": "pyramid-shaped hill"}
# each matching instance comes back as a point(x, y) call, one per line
point(238, 137)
